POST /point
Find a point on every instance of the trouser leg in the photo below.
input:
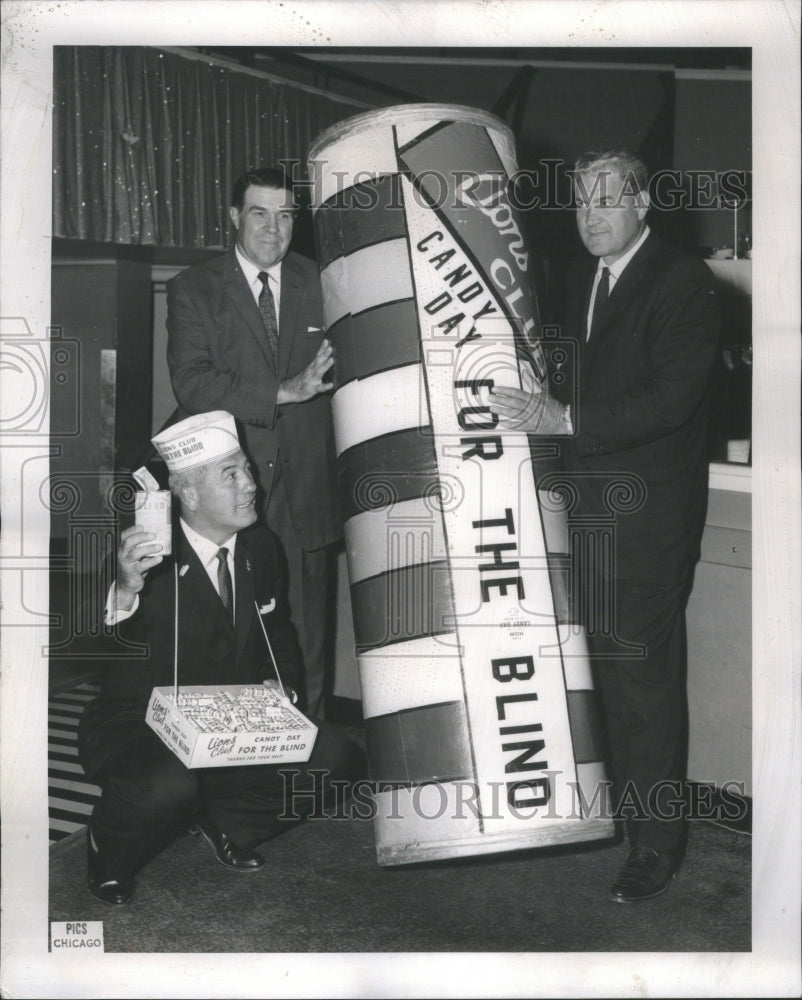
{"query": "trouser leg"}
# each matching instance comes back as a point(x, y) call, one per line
point(645, 709)
point(315, 576)
point(309, 581)
point(148, 797)
point(255, 803)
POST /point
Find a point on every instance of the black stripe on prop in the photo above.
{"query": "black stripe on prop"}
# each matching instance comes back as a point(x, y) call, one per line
point(428, 743)
point(360, 216)
point(402, 604)
point(388, 469)
point(586, 730)
point(375, 340)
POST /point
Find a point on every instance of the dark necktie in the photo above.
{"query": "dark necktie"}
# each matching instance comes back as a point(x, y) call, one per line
point(267, 307)
point(602, 292)
point(224, 582)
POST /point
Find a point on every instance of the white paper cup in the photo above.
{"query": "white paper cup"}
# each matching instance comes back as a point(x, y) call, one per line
point(152, 513)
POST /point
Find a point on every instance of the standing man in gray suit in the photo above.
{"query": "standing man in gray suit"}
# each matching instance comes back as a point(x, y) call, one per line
point(246, 335)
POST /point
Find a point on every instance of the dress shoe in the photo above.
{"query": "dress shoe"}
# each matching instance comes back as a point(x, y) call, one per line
point(645, 874)
point(107, 890)
point(226, 853)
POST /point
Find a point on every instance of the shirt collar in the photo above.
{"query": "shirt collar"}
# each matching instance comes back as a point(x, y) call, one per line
point(205, 549)
point(252, 272)
point(617, 268)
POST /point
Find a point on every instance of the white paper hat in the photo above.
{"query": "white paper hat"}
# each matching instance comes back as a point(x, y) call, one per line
point(197, 440)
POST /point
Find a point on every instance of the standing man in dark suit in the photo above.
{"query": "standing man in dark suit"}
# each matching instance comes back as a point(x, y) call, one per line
point(202, 605)
point(645, 321)
point(246, 335)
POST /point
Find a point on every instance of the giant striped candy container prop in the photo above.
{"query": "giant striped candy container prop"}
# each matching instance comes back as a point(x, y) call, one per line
point(476, 689)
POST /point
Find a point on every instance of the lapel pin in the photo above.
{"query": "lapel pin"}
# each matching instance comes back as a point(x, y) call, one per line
point(248, 565)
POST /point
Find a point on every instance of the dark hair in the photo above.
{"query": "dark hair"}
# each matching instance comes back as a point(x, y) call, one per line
point(269, 177)
point(621, 161)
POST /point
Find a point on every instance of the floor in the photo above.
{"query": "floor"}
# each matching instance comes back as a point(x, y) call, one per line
point(323, 891)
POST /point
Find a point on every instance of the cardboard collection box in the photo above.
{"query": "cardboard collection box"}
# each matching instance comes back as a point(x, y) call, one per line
point(225, 724)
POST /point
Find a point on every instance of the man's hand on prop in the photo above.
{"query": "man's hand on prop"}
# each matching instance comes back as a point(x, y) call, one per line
point(137, 554)
point(530, 409)
point(309, 382)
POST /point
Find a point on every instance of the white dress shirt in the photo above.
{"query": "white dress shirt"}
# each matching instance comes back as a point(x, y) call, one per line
point(616, 271)
point(205, 550)
point(251, 272)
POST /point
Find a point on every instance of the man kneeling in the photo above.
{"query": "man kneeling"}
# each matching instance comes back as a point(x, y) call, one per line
point(224, 572)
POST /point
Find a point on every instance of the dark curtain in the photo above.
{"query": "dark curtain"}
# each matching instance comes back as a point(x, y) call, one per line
point(147, 143)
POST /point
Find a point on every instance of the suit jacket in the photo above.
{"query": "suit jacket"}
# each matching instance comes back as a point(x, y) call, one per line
point(640, 408)
point(219, 358)
point(211, 649)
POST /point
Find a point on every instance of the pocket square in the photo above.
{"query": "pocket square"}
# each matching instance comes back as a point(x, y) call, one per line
point(314, 329)
point(267, 608)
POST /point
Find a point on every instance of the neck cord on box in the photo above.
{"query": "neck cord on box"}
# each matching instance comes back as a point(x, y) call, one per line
point(175, 640)
point(175, 634)
point(269, 648)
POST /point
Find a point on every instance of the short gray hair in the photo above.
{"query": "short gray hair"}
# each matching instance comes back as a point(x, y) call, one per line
point(186, 477)
point(621, 161)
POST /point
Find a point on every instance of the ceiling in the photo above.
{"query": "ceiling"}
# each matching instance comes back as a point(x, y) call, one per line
point(488, 78)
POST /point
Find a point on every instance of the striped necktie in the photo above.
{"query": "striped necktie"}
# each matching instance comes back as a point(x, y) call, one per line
point(267, 307)
point(224, 582)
